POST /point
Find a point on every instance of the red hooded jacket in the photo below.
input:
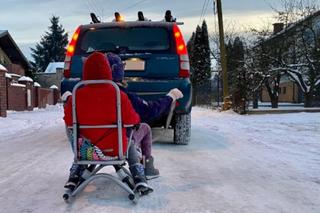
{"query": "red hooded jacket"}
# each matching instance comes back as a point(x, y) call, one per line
point(96, 105)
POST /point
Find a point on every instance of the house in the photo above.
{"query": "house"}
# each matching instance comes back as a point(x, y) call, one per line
point(294, 52)
point(52, 75)
point(11, 56)
point(17, 91)
point(289, 92)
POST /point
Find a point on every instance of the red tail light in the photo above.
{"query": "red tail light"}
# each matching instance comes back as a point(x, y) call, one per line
point(70, 52)
point(182, 52)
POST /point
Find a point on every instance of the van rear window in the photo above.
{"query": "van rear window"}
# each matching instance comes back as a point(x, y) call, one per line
point(138, 39)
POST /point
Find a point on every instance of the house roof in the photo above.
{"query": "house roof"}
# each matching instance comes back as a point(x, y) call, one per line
point(9, 46)
point(52, 67)
point(293, 26)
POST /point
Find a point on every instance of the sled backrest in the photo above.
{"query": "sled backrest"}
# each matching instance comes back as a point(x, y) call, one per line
point(76, 127)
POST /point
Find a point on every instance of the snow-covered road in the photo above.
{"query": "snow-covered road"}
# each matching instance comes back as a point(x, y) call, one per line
point(257, 163)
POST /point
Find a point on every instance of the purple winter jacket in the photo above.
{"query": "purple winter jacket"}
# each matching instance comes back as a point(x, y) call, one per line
point(149, 111)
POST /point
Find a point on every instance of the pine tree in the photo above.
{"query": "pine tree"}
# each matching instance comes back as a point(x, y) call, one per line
point(200, 55)
point(206, 51)
point(190, 47)
point(51, 47)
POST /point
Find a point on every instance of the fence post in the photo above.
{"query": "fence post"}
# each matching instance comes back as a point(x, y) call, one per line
point(29, 91)
point(3, 92)
point(35, 94)
point(56, 94)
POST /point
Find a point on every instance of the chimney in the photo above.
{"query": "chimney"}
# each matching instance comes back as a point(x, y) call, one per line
point(277, 27)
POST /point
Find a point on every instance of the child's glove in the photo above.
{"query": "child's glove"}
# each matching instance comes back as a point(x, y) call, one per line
point(175, 94)
point(65, 96)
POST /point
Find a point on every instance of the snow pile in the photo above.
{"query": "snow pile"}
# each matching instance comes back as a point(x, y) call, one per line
point(25, 78)
point(8, 75)
point(36, 84)
point(19, 123)
point(17, 85)
point(54, 87)
point(3, 68)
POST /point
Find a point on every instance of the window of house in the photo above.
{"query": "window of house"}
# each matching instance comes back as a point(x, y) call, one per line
point(279, 90)
point(284, 90)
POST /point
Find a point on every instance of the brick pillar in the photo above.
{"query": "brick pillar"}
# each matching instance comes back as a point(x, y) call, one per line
point(56, 94)
point(36, 95)
point(29, 94)
point(3, 93)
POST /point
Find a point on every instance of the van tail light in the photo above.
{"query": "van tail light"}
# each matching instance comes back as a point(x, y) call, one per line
point(70, 52)
point(184, 71)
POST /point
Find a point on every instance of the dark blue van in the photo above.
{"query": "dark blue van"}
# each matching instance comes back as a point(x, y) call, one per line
point(156, 61)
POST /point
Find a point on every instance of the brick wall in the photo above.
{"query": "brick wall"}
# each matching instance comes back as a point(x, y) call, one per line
point(45, 96)
point(17, 99)
point(3, 94)
point(23, 95)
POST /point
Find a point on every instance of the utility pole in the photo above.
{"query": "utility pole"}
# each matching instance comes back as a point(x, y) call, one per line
point(226, 98)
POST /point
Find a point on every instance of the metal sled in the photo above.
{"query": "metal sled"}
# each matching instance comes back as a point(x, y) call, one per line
point(119, 161)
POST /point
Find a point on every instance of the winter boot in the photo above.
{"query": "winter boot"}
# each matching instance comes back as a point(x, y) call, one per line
point(149, 169)
point(74, 177)
point(78, 174)
point(72, 183)
point(124, 176)
point(141, 185)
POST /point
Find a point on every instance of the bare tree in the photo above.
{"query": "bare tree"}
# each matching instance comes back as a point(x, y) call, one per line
point(302, 40)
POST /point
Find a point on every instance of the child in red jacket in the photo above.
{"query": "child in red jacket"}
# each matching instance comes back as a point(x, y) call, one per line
point(96, 105)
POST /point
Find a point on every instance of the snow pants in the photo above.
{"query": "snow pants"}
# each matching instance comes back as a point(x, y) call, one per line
point(143, 139)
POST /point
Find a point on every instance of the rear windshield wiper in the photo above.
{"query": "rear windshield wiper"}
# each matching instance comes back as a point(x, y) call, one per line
point(101, 51)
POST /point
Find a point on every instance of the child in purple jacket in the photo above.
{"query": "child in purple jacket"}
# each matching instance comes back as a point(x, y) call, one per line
point(148, 111)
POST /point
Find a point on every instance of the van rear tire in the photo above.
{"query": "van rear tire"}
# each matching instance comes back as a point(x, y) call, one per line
point(182, 129)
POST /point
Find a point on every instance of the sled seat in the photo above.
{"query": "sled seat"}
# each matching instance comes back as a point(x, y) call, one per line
point(89, 155)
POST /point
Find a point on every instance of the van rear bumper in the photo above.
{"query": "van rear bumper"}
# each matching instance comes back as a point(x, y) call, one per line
point(151, 90)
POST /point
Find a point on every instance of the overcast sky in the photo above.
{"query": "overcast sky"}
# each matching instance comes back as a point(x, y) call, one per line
point(27, 20)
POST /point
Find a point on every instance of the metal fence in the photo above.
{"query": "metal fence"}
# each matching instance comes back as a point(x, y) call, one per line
point(208, 93)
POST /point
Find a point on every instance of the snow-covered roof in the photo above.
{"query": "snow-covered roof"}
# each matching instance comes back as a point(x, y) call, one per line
point(36, 84)
point(294, 25)
point(25, 78)
point(2, 67)
point(53, 66)
point(54, 87)
point(8, 75)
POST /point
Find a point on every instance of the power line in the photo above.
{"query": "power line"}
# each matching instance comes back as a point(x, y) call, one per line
point(204, 3)
point(130, 7)
point(204, 10)
point(89, 5)
point(134, 5)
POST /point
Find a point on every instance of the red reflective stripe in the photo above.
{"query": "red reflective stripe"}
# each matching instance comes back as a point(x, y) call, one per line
point(180, 44)
point(184, 74)
point(72, 45)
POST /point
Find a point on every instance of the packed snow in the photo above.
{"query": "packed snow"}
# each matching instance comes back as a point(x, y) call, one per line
point(255, 163)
